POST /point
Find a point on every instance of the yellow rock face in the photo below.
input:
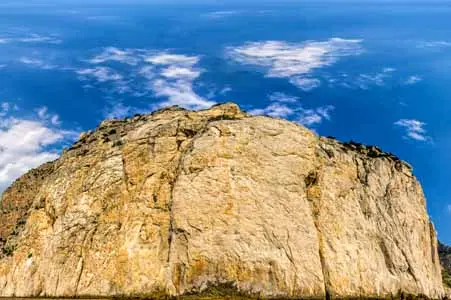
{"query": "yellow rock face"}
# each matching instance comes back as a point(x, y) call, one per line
point(179, 201)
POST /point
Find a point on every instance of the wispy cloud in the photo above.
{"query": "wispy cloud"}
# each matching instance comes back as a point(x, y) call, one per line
point(36, 38)
point(282, 98)
point(222, 14)
point(125, 56)
point(304, 116)
point(414, 129)
point(413, 80)
point(362, 81)
point(25, 142)
point(285, 106)
point(31, 38)
point(167, 59)
point(180, 72)
point(174, 79)
point(311, 117)
point(45, 116)
point(225, 90)
point(101, 74)
point(305, 84)
point(162, 74)
point(103, 18)
point(37, 63)
point(388, 70)
point(275, 110)
point(6, 108)
point(295, 60)
point(434, 44)
point(117, 110)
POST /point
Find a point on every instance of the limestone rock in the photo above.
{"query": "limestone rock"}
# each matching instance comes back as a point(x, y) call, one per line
point(179, 201)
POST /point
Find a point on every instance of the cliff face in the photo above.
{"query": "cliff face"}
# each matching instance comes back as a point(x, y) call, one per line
point(178, 201)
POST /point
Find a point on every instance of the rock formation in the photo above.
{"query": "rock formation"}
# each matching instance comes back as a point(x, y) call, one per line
point(444, 252)
point(178, 201)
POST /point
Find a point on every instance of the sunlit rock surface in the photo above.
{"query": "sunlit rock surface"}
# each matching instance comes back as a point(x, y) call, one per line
point(179, 201)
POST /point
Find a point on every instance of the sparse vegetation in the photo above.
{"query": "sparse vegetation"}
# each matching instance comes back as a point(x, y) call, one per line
point(444, 252)
point(8, 250)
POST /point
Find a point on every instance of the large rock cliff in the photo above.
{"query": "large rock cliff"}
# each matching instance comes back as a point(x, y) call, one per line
point(178, 201)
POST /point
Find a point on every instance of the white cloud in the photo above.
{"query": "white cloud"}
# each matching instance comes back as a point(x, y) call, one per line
point(283, 98)
point(127, 56)
point(148, 72)
point(291, 60)
point(172, 76)
point(413, 80)
point(42, 112)
point(172, 59)
point(179, 93)
point(4, 109)
point(304, 116)
point(34, 62)
point(275, 110)
point(55, 120)
point(184, 73)
point(305, 84)
point(434, 44)
point(221, 14)
point(162, 74)
point(117, 110)
point(364, 81)
point(26, 143)
point(36, 38)
point(414, 129)
point(225, 90)
point(310, 117)
point(31, 38)
point(101, 74)
point(43, 115)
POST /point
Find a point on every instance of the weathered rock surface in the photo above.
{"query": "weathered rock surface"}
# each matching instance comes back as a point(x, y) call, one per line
point(178, 201)
point(444, 252)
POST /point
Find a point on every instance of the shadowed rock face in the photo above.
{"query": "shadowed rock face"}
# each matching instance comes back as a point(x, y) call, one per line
point(178, 201)
point(444, 251)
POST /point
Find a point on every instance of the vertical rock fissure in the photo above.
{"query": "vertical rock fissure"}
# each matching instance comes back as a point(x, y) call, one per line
point(171, 234)
point(314, 198)
point(178, 171)
point(91, 240)
point(323, 261)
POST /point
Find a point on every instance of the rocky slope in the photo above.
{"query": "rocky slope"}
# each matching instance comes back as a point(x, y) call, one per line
point(444, 252)
point(179, 201)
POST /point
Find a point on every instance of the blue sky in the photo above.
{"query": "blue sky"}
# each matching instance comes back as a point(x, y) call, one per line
point(377, 74)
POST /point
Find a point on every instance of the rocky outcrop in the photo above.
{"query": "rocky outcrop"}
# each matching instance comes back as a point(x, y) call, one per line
point(444, 252)
point(180, 201)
